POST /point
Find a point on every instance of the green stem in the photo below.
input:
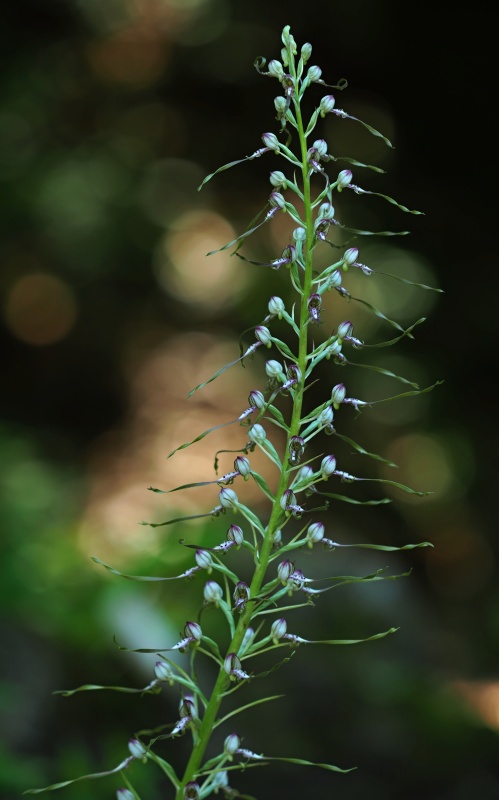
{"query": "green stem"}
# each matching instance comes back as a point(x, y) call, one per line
point(210, 714)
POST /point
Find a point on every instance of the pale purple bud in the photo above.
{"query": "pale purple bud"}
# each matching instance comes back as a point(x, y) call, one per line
point(228, 498)
point(278, 179)
point(344, 179)
point(124, 794)
point(275, 69)
point(278, 629)
point(231, 744)
point(187, 707)
point(212, 592)
point(303, 475)
point(242, 465)
point(191, 791)
point(193, 630)
point(306, 52)
point(345, 329)
point(320, 145)
point(231, 662)
point(204, 559)
point(285, 570)
point(136, 748)
point(288, 499)
point(263, 335)
point(326, 105)
point(276, 199)
point(315, 531)
point(326, 211)
point(276, 306)
point(334, 279)
point(326, 416)
point(273, 369)
point(314, 74)
point(350, 256)
point(256, 399)
point(235, 534)
point(328, 466)
point(163, 671)
point(270, 140)
point(257, 433)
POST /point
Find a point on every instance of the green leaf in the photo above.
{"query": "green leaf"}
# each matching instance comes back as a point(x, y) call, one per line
point(153, 688)
point(249, 352)
point(357, 641)
point(62, 784)
point(145, 578)
point(364, 452)
point(263, 485)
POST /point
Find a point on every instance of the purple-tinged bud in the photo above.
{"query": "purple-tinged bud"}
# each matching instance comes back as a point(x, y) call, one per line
point(285, 570)
point(124, 794)
point(193, 630)
point(328, 466)
point(278, 179)
point(326, 211)
point(263, 335)
point(257, 433)
point(232, 662)
point(231, 744)
point(302, 476)
point(299, 234)
point(296, 580)
point(204, 559)
point(326, 417)
point(314, 74)
point(270, 140)
point(228, 498)
point(241, 595)
point(187, 707)
point(345, 329)
point(334, 280)
point(163, 672)
point(247, 641)
point(316, 531)
point(235, 534)
point(278, 629)
point(350, 257)
point(275, 69)
point(274, 369)
point(288, 499)
point(326, 105)
point(306, 52)
point(296, 449)
point(320, 145)
point(191, 791)
point(212, 592)
point(276, 306)
point(242, 465)
point(276, 199)
point(314, 307)
point(256, 399)
point(344, 179)
point(136, 748)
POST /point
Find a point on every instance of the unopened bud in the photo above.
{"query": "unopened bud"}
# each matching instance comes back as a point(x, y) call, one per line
point(270, 140)
point(344, 179)
point(163, 671)
point(204, 559)
point(345, 329)
point(242, 465)
point(326, 416)
point(256, 399)
point(334, 280)
point(320, 145)
point(231, 662)
point(124, 794)
point(315, 531)
point(278, 179)
point(285, 570)
point(314, 74)
point(276, 306)
point(299, 234)
point(136, 748)
point(306, 52)
point(231, 744)
point(263, 335)
point(288, 499)
point(280, 104)
point(350, 256)
point(193, 630)
point(328, 466)
point(257, 433)
point(276, 199)
point(235, 534)
point(275, 69)
point(278, 629)
point(326, 105)
point(273, 369)
point(212, 592)
point(228, 497)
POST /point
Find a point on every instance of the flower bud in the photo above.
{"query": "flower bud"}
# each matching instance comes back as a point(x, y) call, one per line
point(333, 349)
point(278, 629)
point(242, 465)
point(231, 744)
point(285, 570)
point(299, 234)
point(204, 559)
point(328, 466)
point(338, 394)
point(231, 662)
point(257, 433)
point(280, 104)
point(276, 199)
point(228, 497)
point(247, 640)
point(193, 630)
point(344, 179)
point(273, 369)
point(326, 417)
point(256, 399)
point(270, 140)
point(275, 69)
point(315, 531)
point(306, 52)
point(320, 145)
point(124, 794)
point(191, 791)
point(288, 499)
point(212, 592)
point(334, 280)
point(263, 335)
point(313, 74)
point(345, 329)
point(276, 306)
point(136, 748)
point(303, 475)
point(163, 671)
point(276, 541)
point(235, 534)
point(326, 105)
point(350, 256)
point(278, 179)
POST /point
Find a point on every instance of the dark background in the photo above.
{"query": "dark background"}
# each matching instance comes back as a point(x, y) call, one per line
point(111, 114)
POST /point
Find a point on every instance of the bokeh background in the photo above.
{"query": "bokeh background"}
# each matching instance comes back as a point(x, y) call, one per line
point(111, 115)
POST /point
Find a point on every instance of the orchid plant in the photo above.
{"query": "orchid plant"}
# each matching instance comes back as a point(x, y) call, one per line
point(256, 606)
